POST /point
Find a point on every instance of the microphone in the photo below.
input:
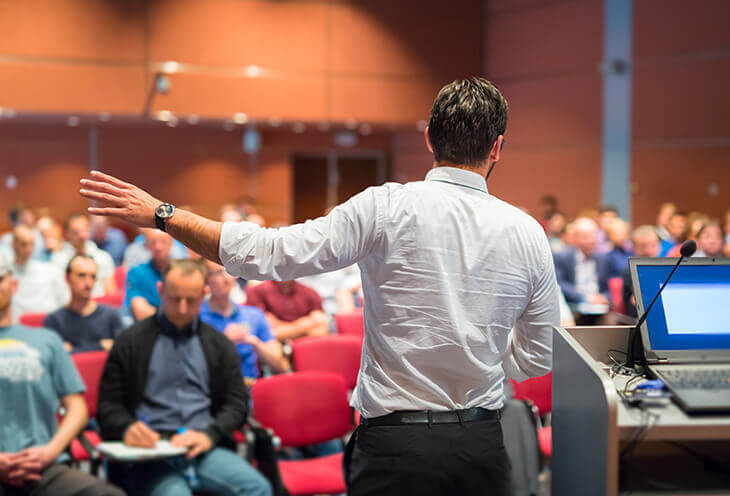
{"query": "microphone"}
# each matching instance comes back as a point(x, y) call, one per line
point(635, 350)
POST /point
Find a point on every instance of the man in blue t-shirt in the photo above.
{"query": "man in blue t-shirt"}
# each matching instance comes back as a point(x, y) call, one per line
point(37, 377)
point(245, 326)
point(142, 297)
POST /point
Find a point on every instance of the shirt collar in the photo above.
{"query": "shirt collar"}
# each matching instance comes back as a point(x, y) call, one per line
point(168, 328)
point(206, 308)
point(459, 177)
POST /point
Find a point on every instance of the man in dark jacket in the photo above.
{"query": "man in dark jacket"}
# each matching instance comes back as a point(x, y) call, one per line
point(173, 377)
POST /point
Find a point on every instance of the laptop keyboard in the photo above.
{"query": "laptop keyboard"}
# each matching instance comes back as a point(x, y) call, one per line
point(704, 378)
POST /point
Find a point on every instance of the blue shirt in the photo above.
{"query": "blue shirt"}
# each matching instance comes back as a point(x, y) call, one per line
point(251, 317)
point(35, 373)
point(142, 281)
point(177, 393)
point(114, 243)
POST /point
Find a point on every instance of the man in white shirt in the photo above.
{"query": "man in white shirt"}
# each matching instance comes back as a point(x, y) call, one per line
point(448, 271)
point(78, 234)
point(41, 286)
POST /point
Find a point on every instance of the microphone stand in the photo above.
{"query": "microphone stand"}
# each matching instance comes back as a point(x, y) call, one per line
point(635, 350)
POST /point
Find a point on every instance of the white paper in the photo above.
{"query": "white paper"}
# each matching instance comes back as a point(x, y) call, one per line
point(120, 451)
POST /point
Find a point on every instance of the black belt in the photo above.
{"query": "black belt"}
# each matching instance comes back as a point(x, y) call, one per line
point(430, 417)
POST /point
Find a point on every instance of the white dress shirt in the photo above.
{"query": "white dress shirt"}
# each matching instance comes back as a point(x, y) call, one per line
point(586, 277)
point(459, 287)
point(42, 288)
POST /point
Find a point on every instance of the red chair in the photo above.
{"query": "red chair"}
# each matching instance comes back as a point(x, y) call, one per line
point(33, 319)
point(336, 354)
point(616, 288)
point(90, 366)
point(115, 300)
point(539, 391)
point(351, 324)
point(120, 277)
point(305, 408)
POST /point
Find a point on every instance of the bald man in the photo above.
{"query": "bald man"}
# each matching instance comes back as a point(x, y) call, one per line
point(41, 286)
point(582, 273)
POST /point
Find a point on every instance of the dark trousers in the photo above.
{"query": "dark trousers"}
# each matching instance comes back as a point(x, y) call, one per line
point(418, 459)
point(61, 480)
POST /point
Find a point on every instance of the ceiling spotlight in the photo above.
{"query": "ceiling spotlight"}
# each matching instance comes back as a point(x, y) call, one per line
point(73, 121)
point(9, 113)
point(170, 67)
point(193, 119)
point(105, 116)
point(164, 115)
point(240, 118)
point(299, 127)
point(274, 122)
point(253, 71)
point(366, 129)
point(173, 121)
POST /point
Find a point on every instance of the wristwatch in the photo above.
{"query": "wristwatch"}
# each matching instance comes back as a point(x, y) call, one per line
point(162, 213)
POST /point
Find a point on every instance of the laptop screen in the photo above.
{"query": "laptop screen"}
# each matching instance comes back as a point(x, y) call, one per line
point(693, 312)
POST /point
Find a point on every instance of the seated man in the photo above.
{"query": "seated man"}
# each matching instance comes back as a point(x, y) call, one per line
point(78, 242)
point(618, 258)
point(142, 296)
point(138, 254)
point(21, 215)
point(108, 238)
point(582, 274)
point(41, 288)
point(169, 373)
point(36, 377)
point(292, 309)
point(244, 325)
point(646, 244)
point(84, 325)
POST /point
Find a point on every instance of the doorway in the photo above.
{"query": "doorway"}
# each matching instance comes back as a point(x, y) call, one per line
point(328, 179)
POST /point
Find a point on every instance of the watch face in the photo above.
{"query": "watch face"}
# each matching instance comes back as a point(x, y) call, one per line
point(165, 210)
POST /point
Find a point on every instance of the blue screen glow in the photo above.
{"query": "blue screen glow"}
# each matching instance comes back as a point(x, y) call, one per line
point(693, 312)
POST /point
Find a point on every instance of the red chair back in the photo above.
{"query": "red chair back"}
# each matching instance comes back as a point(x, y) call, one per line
point(115, 300)
point(90, 365)
point(539, 390)
point(616, 288)
point(336, 354)
point(302, 408)
point(351, 324)
point(120, 277)
point(32, 319)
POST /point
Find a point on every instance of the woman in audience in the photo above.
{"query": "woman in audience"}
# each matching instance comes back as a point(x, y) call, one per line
point(710, 240)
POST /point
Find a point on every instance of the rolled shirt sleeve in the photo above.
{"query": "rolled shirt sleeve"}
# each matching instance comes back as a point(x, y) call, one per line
point(348, 234)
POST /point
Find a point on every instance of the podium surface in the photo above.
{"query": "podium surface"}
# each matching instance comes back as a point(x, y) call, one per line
point(593, 426)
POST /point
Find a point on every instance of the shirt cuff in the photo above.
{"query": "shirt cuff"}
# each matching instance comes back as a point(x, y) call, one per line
point(236, 244)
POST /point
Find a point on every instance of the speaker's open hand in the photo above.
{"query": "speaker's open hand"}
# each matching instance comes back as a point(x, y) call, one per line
point(116, 198)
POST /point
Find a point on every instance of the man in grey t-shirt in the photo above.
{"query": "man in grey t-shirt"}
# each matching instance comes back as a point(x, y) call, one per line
point(37, 376)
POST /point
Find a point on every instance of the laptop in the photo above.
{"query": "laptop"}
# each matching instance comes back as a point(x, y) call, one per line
point(686, 335)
